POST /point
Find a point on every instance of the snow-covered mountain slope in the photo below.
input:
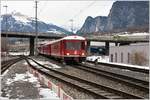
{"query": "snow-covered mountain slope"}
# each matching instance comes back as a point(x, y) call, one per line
point(17, 22)
point(21, 17)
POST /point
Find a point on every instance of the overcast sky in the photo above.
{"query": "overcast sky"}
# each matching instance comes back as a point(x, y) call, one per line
point(60, 12)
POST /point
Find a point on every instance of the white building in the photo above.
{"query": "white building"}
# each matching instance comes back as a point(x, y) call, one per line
point(137, 54)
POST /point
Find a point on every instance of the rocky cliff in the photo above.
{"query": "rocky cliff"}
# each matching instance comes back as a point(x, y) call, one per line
point(124, 15)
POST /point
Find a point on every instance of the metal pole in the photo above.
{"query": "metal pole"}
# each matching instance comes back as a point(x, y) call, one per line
point(71, 20)
point(6, 32)
point(36, 28)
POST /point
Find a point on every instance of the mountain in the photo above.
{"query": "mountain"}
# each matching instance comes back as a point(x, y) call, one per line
point(123, 16)
point(17, 22)
point(126, 14)
point(93, 24)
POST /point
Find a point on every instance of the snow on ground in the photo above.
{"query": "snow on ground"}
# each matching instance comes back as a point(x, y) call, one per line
point(33, 63)
point(25, 63)
point(46, 63)
point(100, 58)
point(18, 53)
point(105, 59)
point(19, 77)
point(129, 65)
point(5, 72)
point(36, 65)
point(46, 93)
point(22, 77)
point(134, 34)
point(4, 98)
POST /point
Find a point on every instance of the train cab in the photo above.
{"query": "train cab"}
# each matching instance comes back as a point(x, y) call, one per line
point(74, 48)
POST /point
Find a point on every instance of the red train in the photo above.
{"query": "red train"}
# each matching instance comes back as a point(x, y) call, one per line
point(70, 48)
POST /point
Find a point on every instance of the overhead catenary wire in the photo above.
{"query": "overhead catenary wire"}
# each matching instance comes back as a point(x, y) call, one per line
point(77, 14)
point(82, 10)
point(85, 9)
point(42, 8)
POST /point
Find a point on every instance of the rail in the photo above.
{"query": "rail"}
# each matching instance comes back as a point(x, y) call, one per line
point(6, 64)
point(89, 86)
point(137, 83)
point(123, 66)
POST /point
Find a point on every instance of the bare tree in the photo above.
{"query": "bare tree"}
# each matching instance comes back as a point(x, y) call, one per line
point(138, 58)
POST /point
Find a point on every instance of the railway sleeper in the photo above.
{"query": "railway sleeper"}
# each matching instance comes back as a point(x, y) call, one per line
point(138, 84)
point(115, 97)
point(107, 94)
point(111, 95)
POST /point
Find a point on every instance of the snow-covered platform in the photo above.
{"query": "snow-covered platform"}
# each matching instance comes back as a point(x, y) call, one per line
point(105, 60)
point(123, 69)
point(128, 65)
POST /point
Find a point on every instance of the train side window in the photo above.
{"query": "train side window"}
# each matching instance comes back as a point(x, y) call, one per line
point(111, 57)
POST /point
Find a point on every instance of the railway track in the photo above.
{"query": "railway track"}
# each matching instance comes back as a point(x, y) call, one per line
point(125, 79)
point(99, 91)
point(137, 83)
point(5, 65)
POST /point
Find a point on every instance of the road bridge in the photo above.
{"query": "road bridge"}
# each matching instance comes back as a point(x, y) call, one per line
point(32, 37)
point(118, 40)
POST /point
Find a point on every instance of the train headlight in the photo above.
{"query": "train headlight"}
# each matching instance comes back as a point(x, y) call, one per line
point(83, 54)
point(67, 54)
point(75, 52)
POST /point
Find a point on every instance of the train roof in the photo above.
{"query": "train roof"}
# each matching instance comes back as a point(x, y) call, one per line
point(75, 37)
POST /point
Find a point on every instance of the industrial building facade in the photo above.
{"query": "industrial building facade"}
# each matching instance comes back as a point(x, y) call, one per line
point(136, 54)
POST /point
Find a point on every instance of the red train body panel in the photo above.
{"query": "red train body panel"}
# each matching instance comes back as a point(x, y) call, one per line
point(68, 48)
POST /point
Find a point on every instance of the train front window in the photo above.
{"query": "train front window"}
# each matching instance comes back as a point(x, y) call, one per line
point(73, 45)
point(83, 45)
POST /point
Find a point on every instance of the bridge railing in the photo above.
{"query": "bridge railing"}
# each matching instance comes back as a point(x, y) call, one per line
point(120, 38)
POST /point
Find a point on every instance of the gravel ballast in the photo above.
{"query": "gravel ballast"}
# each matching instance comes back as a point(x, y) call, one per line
point(100, 80)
